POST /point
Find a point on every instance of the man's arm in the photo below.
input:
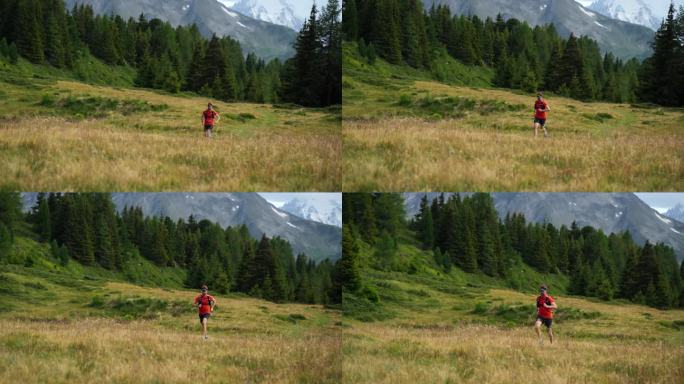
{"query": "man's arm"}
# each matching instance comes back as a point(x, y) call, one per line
point(218, 117)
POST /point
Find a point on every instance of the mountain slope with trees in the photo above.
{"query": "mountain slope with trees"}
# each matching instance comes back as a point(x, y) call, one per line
point(86, 228)
point(524, 57)
point(466, 233)
point(179, 58)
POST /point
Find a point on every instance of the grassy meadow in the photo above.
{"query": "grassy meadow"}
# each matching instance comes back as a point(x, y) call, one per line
point(402, 130)
point(77, 324)
point(430, 326)
point(57, 133)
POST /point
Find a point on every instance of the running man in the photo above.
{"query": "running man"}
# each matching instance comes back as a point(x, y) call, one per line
point(540, 109)
point(209, 118)
point(545, 307)
point(205, 304)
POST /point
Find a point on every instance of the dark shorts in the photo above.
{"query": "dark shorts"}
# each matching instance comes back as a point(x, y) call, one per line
point(540, 121)
point(545, 321)
point(203, 316)
point(208, 127)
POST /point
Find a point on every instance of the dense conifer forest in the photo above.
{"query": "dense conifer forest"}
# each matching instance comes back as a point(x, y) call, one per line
point(178, 59)
point(466, 233)
point(87, 229)
point(524, 57)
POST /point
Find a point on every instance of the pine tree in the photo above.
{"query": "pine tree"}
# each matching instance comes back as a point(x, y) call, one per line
point(304, 80)
point(5, 241)
point(659, 71)
point(29, 36)
point(13, 53)
point(42, 224)
point(350, 20)
point(347, 274)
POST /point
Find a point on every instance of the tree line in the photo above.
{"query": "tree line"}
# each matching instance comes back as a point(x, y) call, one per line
point(402, 32)
point(86, 228)
point(175, 59)
point(466, 232)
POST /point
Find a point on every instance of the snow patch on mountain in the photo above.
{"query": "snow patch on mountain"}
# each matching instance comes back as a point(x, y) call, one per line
point(592, 14)
point(633, 11)
point(280, 12)
point(281, 214)
point(329, 214)
point(664, 220)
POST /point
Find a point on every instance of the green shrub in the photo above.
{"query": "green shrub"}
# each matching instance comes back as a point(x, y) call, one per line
point(370, 293)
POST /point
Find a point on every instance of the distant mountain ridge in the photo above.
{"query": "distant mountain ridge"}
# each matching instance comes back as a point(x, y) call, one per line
point(611, 212)
point(623, 39)
point(265, 39)
point(319, 241)
point(308, 211)
point(676, 212)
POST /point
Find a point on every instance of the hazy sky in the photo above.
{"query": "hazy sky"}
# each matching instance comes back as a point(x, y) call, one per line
point(319, 200)
point(661, 202)
point(658, 6)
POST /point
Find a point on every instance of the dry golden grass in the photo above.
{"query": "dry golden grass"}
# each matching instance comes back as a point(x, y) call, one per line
point(249, 342)
point(407, 154)
point(637, 149)
point(485, 354)
point(281, 149)
point(441, 343)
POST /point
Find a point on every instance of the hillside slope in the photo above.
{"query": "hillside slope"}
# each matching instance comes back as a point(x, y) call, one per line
point(468, 328)
point(80, 325)
point(148, 140)
point(404, 131)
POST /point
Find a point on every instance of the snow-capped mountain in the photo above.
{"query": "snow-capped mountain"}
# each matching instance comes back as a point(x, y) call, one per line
point(267, 40)
point(612, 212)
point(280, 12)
point(633, 11)
point(676, 212)
point(319, 241)
point(331, 215)
point(623, 39)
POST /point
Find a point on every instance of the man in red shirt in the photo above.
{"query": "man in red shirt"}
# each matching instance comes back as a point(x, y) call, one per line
point(205, 304)
point(545, 307)
point(540, 109)
point(209, 118)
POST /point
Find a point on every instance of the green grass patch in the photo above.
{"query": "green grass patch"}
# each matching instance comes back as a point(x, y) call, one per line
point(291, 318)
point(98, 107)
point(438, 108)
point(600, 117)
point(362, 309)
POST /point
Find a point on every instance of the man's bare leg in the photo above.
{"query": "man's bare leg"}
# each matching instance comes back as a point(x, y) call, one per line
point(204, 327)
point(537, 329)
point(550, 332)
point(536, 129)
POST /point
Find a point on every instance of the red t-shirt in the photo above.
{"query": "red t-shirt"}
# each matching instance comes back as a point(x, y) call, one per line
point(205, 301)
point(542, 311)
point(209, 116)
point(539, 107)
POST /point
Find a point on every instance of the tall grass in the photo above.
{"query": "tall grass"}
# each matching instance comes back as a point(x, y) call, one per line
point(407, 133)
point(55, 332)
point(75, 137)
